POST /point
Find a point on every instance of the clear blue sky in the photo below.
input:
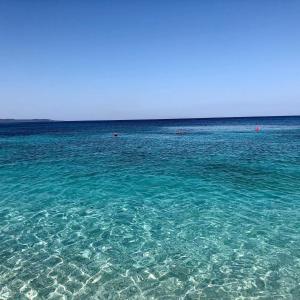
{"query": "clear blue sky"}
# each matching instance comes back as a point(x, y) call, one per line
point(76, 60)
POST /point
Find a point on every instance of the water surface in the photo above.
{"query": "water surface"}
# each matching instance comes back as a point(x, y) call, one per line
point(210, 214)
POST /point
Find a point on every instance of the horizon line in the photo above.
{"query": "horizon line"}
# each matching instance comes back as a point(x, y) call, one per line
point(146, 119)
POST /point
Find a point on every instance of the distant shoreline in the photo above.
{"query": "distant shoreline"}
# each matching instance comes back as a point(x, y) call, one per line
point(25, 120)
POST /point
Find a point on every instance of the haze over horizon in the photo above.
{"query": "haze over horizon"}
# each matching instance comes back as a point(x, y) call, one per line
point(102, 60)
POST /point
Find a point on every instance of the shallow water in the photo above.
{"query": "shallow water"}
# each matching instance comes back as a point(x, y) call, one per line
point(210, 214)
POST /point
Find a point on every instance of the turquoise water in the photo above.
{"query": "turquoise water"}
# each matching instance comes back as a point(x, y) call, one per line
point(210, 214)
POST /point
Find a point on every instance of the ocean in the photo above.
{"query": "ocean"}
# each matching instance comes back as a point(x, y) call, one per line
point(167, 209)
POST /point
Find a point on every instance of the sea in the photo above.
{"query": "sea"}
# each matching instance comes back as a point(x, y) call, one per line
point(150, 209)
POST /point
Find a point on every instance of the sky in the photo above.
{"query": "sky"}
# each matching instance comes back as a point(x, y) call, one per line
point(93, 60)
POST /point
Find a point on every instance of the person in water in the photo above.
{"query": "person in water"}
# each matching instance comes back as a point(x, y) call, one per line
point(180, 131)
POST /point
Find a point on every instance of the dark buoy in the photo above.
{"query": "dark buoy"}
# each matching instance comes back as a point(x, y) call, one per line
point(115, 134)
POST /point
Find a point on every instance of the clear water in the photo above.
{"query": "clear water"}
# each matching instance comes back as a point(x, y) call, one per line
point(210, 214)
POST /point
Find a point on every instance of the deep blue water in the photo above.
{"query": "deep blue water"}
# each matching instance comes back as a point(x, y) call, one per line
point(213, 213)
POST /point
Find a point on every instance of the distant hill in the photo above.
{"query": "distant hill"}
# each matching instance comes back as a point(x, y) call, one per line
point(24, 120)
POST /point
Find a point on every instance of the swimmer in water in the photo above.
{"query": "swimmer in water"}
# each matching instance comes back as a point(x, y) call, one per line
point(180, 132)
